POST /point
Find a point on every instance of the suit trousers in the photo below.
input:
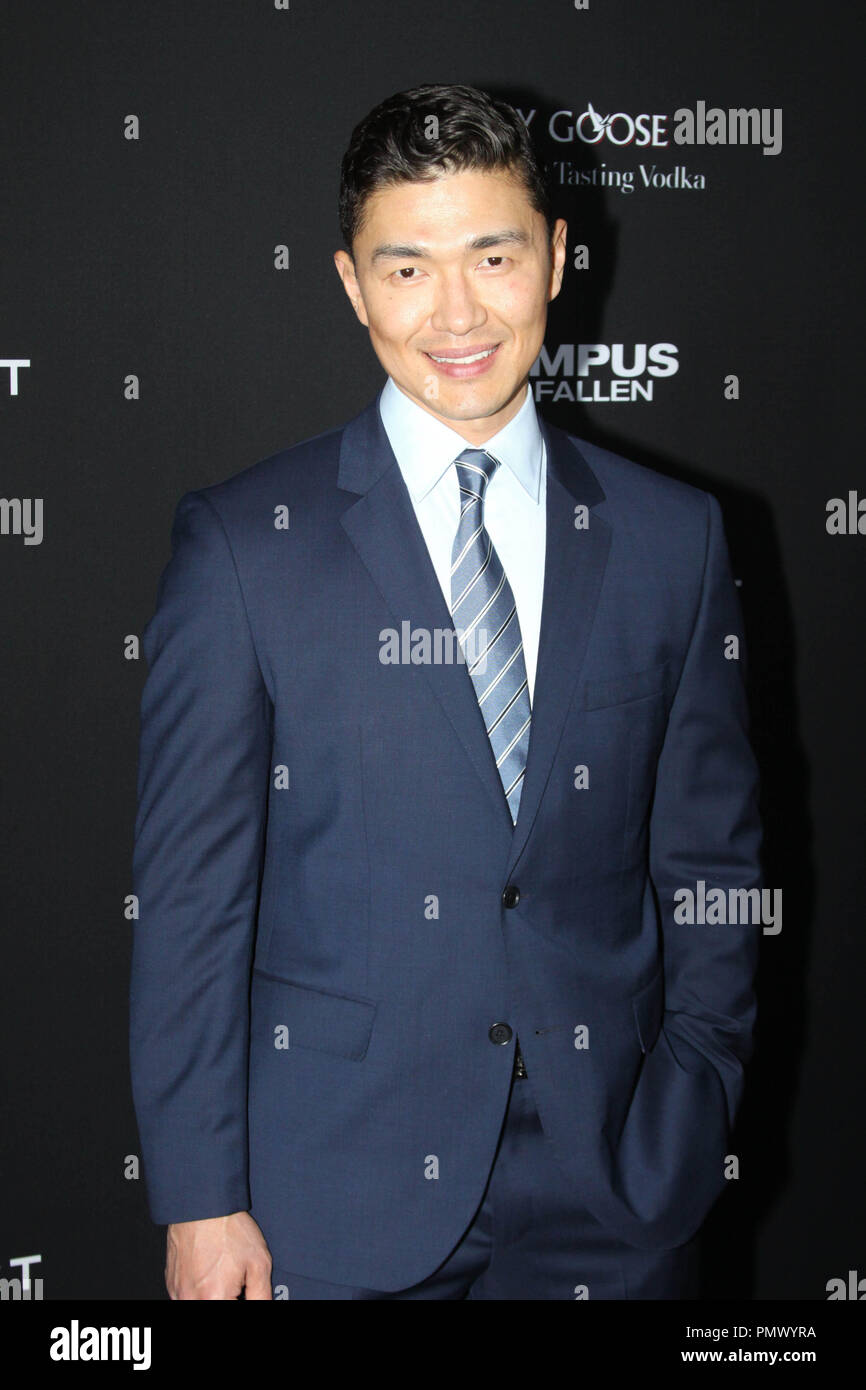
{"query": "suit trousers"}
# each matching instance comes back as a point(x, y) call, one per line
point(530, 1238)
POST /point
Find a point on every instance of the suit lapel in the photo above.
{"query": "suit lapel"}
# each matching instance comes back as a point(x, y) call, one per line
point(384, 530)
point(574, 565)
point(382, 526)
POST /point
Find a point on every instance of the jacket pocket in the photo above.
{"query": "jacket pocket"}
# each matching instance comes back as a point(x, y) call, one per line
point(618, 690)
point(648, 1006)
point(339, 1024)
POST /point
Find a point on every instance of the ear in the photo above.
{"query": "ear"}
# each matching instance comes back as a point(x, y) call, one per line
point(346, 271)
point(558, 251)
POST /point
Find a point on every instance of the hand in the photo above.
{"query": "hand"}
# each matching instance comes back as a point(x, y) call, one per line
point(217, 1258)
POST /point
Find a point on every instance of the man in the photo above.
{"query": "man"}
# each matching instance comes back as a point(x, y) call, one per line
point(412, 1015)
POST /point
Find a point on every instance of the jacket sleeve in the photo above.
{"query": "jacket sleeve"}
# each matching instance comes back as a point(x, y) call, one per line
point(705, 825)
point(203, 783)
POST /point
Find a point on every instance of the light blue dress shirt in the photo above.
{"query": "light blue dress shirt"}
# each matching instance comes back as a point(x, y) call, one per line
point(514, 503)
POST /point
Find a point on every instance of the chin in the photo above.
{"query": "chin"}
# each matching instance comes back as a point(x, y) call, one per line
point(479, 405)
point(476, 410)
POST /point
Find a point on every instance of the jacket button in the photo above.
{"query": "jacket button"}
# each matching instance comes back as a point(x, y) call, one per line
point(500, 1034)
point(511, 896)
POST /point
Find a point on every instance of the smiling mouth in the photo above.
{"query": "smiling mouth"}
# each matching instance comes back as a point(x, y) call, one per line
point(463, 359)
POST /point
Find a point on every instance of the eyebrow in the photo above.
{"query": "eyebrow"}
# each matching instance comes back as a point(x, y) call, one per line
point(390, 250)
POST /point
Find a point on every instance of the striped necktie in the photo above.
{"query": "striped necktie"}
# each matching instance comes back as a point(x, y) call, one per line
point(486, 622)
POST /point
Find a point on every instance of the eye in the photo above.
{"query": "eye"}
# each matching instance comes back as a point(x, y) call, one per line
point(500, 260)
point(407, 272)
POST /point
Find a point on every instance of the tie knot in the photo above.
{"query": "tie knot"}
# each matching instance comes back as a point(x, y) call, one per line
point(475, 468)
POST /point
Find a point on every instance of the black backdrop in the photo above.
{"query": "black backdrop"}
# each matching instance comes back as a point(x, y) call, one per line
point(152, 259)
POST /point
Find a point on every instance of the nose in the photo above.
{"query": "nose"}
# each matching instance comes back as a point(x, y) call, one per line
point(456, 309)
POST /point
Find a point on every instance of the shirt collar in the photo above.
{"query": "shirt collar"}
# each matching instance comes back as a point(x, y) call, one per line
point(426, 447)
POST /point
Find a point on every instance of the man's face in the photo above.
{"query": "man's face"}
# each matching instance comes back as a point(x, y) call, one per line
point(453, 278)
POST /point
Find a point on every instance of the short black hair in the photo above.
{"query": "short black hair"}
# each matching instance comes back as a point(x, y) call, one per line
point(416, 135)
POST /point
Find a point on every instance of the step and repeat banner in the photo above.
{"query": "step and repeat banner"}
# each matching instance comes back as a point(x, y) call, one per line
point(170, 314)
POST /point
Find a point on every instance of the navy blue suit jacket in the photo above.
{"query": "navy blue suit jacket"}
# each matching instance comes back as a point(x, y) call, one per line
point(323, 843)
